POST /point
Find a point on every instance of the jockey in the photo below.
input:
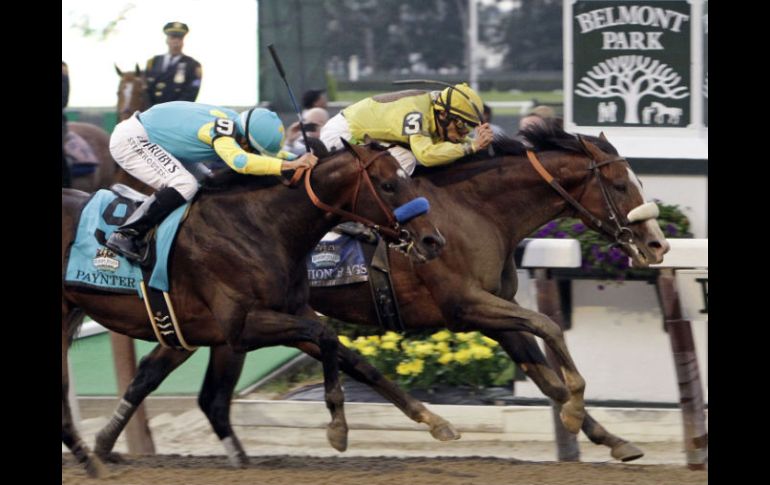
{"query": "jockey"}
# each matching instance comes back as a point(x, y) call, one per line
point(161, 145)
point(431, 128)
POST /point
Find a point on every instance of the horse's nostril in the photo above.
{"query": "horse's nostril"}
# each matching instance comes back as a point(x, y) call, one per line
point(655, 245)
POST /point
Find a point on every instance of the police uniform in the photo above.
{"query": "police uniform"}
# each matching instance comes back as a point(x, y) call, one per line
point(173, 78)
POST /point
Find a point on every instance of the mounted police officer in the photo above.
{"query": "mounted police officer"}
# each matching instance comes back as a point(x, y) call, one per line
point(431, 128)
point(173, 76)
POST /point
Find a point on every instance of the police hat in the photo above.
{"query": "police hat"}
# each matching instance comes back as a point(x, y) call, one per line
point(176, 29)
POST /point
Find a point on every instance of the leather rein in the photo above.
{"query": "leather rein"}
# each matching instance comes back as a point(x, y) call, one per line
point(393, 229)
point(618, 230)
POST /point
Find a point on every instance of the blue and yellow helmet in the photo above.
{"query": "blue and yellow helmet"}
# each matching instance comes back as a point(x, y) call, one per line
point(265, 130)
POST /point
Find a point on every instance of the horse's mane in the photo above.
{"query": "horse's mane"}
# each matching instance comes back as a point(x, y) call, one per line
point(549, 135)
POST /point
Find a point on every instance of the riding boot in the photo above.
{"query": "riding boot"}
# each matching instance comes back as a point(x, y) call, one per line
point(127, 240)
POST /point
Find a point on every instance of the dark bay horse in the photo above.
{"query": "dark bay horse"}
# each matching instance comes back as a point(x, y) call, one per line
point(238, 275)
point(99, 141)
point(485, 207)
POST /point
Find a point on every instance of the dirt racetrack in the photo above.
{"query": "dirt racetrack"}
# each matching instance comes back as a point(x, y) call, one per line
point(297, 470)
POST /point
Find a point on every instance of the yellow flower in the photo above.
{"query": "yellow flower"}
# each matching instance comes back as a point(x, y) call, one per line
point(480, 352)
point(488, 341)
point(423, 349)
point(441, 336)
point(446, 358)
point(345, 341)
point(391, 337)
point(466, 336)
point(411, 367)
point(368, 350)
point(442, 347)
point(463, 356)
point(388, 345)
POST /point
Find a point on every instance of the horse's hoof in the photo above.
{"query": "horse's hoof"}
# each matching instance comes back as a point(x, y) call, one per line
point(239, 460)
point(444, 431)
point(337, 434)
point(95, 468)
point(572, 417)
point(110, 457)
point(626, 452)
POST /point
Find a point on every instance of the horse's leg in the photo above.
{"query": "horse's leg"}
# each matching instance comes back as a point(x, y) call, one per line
point(481, 310)
point(524, 350)
point(225, 366)
point(69, 433)
point(265, 328)
point(152, 370)
point(359, 369)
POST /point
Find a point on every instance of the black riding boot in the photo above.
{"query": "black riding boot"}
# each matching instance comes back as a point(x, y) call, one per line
point(127, 239)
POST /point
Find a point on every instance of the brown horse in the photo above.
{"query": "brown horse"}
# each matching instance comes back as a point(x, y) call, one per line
point(132, 92)
point(132, 97)
point(99, 141)
point(486, 206)
point(238, 273)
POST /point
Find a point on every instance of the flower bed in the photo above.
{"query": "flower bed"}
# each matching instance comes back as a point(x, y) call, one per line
point(440, 359)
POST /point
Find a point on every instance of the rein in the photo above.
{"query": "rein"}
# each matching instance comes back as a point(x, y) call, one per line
point(619, 221)
point(392, 230)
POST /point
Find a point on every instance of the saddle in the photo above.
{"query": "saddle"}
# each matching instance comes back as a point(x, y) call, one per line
point(380, 283)
point(90, 264)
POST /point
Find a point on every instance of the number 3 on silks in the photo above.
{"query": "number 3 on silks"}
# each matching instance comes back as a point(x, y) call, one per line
point(413, 123)
point(224, 127)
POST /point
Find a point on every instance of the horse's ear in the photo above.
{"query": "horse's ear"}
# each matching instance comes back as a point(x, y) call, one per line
point(117, 69)
point(589, 147)
point(602, 137)
point(367, 139)
point(350, 147)
point(137, 70)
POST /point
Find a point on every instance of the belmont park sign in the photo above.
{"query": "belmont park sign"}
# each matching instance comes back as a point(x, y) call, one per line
point(631, 62)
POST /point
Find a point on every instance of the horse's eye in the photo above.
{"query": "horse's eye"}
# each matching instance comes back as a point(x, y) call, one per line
point(620, 187)
point(389, 187)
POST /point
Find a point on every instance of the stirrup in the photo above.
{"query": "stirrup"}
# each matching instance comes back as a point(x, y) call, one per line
point(126, 246)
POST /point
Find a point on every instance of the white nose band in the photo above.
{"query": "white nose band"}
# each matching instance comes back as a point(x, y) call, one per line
point(644, 212)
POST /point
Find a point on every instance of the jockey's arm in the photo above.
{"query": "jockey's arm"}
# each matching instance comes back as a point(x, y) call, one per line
point(430, 154)
point(244, 162)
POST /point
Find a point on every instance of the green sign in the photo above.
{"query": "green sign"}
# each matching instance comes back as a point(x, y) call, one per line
point(631, 63)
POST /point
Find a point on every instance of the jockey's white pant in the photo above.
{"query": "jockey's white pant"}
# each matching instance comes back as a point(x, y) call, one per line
point(149, 162)
point(337, 127)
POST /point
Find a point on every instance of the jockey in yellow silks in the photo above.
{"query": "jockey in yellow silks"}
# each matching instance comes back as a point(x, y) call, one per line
point(430, 128)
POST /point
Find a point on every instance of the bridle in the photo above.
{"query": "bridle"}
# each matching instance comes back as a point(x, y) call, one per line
point(618, 230)
point(392, 230)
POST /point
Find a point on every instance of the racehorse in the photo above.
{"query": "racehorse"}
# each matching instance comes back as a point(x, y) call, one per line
point(132, 97)
point(486, 206)
point(238, 275)
point(99, 141)
point(132, 92)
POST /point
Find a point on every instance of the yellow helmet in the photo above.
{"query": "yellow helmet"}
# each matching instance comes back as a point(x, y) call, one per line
point(463, 101)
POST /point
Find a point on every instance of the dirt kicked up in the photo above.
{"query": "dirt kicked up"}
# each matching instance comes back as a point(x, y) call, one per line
point(295, 470)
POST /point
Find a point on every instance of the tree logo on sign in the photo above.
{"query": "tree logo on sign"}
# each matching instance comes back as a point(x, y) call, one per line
point(630, 78)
